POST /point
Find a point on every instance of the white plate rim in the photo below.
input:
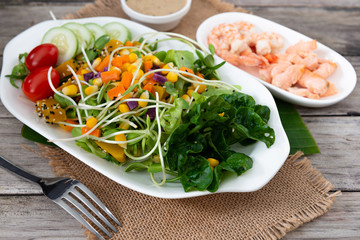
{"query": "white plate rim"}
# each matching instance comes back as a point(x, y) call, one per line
point(349, 72)
point(9, 94)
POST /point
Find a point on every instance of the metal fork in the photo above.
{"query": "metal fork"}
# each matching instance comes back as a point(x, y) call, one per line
point(61, 190)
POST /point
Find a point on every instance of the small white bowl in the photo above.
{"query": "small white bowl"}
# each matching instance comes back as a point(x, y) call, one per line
point(344, 77)
point(160, 23)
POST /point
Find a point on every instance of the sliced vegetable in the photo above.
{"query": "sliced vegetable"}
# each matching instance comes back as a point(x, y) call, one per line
point(117, 31)
point(65, 40)
point(96, 30)
point(84, 36)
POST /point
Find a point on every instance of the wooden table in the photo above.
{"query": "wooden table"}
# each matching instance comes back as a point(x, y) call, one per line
point(26, 214)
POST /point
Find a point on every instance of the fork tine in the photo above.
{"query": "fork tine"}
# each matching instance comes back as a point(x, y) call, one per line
point(92, 207)
point(78, 217)
point(86, 213)
point(98, 202)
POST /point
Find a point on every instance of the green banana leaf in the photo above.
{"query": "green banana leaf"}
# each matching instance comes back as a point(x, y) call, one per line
point(298, 134)
point(31, 135)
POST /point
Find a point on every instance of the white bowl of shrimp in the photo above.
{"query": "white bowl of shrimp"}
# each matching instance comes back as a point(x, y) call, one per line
point(294, 67)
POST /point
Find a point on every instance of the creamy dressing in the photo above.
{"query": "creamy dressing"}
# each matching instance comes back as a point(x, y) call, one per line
point(156, 7)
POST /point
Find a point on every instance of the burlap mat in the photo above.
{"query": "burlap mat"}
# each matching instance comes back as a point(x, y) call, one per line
point(296, 195)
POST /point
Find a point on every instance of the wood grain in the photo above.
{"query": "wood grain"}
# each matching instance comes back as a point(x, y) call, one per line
point(36, 217)
point(339, 223)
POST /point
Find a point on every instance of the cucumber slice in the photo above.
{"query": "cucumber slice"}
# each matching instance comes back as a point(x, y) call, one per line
point(95, 29)
point(65, 40)
point(117, 31)
point(84, 36)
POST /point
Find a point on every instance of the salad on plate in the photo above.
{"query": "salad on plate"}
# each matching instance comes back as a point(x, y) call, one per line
point(123, 99)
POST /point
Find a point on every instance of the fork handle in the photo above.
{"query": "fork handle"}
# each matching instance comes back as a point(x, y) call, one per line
point(9, 166)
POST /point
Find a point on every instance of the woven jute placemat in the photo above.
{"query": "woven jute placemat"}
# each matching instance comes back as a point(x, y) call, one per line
point(296, 195)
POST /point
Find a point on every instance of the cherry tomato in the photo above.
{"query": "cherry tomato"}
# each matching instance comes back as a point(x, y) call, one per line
point(42, 56)
point(36, 86)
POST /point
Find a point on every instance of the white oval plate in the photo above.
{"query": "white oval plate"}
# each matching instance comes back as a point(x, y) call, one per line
point(344, 77)
point(266, 161)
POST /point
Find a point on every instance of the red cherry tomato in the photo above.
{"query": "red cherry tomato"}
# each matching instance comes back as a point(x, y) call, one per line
point(36, 86)
point(42, 56)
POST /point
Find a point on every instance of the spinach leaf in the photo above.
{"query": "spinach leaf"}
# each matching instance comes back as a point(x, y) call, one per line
point(237, 163)
point(198, 175)
point(217, 175)
point(19, 71)
point(249, 124)
point(180, 145)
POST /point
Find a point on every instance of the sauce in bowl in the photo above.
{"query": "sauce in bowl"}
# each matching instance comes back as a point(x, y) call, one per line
point(156, 7)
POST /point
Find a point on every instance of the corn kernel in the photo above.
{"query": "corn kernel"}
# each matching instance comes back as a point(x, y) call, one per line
point(125, 66)
point(131, 68)
point(121, 138)
point(152, 58)
point(80, 77)
point(70, 90)
point(190, 92)
point(167, 66)
point(139, 74)
point(200, 87)
point(155, 60)
point(186, 98)
point(91, 122)
point(124, 108)
point(132, 57)
point(115, 68)
point(84, 71)
point(96, 62)
point(124, 52)
point(124, 125)
point(172, 77)
point(144, 95)
point(213, 162)
point(98, 82)
point(91, 89)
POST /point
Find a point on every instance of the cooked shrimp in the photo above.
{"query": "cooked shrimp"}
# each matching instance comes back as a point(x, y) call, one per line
point(303, 92)
point(313, 82)
point(302, 47)
point(263, 47)
point(325, 69)
point(279, 68)
point(219, 34)
point(244, 28)
point(332, 90)
point(246, 58)
point(289, 77)
point(265, 73)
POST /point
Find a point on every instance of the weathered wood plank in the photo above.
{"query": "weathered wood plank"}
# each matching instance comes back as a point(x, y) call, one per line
point(338, 141)
point(341, 222)
point(337, 138)
point(35, 217)
point(342, 36)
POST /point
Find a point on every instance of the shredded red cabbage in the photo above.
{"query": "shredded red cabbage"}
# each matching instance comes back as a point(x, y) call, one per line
point(88, 76)
point(159, 78)
point(151, 112)
point(132, 105)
